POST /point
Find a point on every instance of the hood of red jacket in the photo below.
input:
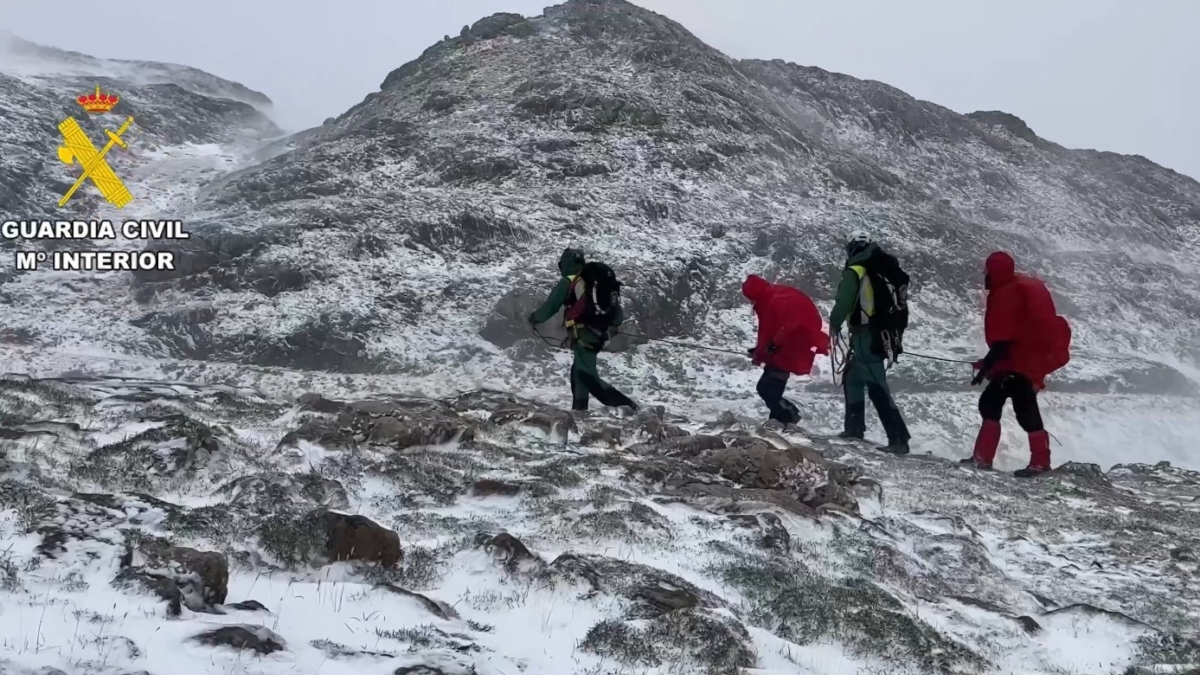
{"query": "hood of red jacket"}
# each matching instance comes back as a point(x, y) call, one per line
point(1000, 268)
point(756, 289)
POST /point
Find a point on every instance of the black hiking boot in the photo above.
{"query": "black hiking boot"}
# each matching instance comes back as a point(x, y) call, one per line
point(898, 448)
point(970, 461)
point(850, 436)
point(772, 424)
point(1029, 472)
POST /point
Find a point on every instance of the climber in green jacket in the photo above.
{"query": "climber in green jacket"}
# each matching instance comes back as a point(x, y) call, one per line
point(588, 331)
point(854, 305)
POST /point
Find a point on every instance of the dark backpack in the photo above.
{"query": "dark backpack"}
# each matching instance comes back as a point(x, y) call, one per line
point(597, 307)
point(890, 285)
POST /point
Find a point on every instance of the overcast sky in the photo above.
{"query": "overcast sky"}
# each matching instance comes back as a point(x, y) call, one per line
point(1120, 75)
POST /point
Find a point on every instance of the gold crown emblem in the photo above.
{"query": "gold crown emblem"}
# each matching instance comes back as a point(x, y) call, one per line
point(98, 102)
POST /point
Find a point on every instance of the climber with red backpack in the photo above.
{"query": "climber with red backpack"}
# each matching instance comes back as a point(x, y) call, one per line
point(1027, 340)
point(589, 294)
point(790, 336)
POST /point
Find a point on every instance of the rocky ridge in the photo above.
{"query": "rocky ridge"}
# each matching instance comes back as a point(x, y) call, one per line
point(439, 527)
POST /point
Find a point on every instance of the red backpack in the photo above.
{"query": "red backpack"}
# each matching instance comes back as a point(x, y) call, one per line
point(1052, 333)
point(1058, 344)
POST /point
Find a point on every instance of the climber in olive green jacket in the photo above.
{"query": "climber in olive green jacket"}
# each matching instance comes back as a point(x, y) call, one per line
point(586, 342)
point(864, 366)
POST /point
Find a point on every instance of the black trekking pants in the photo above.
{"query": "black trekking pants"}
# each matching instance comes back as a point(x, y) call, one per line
point(770, 388)
point(1024, 399)
point(586, 381)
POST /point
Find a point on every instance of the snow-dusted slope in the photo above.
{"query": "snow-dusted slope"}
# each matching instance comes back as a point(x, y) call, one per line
point(188, 530)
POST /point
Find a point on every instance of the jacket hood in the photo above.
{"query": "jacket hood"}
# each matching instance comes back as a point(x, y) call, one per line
point(863, 255)
point(1000, 269)
point(756, 289)
point(570, 262)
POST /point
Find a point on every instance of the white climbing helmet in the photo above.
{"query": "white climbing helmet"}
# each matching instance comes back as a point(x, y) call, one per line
point(858, 238)
point(857, 241)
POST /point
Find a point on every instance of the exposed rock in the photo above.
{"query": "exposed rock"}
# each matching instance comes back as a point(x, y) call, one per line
point(419, 670)
point(684, 447)
point(605, 435)
point(436, 607)
point(1030, 625)
point(1082, 470)
point(256, 638)
point(318, 403)
point(211, 567)
point(162, 586)
point(488, 487)
point(755, 464)
point(774, 535)
point(509, 551)
point(548, 421)
point(248, 606)
point(407, 432)
point(269, 492)
point(666, 599)
point(724, 497)
point(355, 537)
point(198, 579)
point(654, 591)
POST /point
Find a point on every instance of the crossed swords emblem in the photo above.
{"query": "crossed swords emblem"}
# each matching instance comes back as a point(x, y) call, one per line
point(79, 149)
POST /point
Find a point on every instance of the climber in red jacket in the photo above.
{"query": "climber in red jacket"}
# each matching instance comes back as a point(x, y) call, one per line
point(1027, 340)
point(789, 338)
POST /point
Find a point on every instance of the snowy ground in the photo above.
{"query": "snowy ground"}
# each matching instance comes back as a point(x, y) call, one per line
point(935, 569)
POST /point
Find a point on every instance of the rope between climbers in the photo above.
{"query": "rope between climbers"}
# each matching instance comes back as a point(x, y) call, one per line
point(838, 355)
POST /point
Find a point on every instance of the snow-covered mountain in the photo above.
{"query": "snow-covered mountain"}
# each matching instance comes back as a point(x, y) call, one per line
point(353, 294)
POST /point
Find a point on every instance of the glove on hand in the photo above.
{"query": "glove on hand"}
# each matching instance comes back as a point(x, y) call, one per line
point(980, 373)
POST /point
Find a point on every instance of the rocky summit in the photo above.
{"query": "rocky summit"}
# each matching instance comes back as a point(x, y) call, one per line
point(328, 441)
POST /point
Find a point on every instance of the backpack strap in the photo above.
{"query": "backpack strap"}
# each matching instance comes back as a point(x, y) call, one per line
point(866, 294)
point(576, 300)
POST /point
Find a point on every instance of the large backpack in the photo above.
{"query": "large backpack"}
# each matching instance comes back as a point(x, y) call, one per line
point(1058, 352)
point(596, 308)
point(889, 284)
